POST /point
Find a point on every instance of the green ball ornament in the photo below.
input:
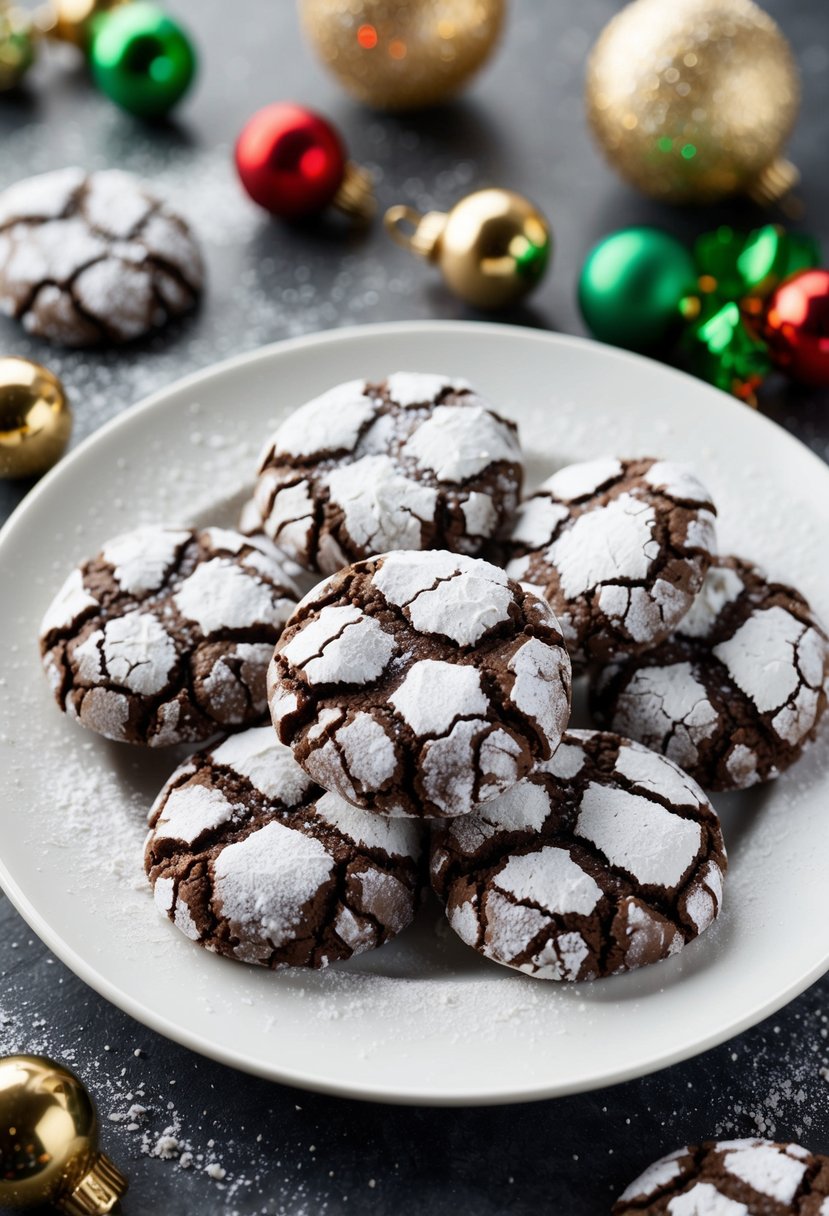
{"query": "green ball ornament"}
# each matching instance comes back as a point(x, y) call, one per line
point(141, 59)
point(632, 286)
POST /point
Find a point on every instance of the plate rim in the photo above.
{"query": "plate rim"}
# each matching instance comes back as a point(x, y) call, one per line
point(300, 1078)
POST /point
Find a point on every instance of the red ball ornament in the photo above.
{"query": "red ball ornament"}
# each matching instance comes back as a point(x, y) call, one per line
point(293, 163)
point(796, 327)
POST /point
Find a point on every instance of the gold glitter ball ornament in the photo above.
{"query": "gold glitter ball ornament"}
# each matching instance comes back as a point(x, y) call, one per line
point(492, 248)
point(402, 54)
point(72, 20)
point(48, 1142)
point(693, 100)
point(35, 420)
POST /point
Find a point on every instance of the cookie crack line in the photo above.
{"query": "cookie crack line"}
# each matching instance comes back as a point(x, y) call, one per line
point(489, 863)
point(65, 285)
point(175, 274)
point(72, 203)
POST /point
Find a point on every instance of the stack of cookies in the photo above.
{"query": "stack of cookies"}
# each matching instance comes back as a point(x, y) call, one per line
point(419, 695)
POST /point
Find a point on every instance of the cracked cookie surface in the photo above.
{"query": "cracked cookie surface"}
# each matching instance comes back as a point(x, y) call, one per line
point(420, 683)
point(165, 637)
point(606, 858)
point(94, 258)
point(618, 547)
point(731, 1178)
point(250, 859)
point(735, 694)
point(416, 461)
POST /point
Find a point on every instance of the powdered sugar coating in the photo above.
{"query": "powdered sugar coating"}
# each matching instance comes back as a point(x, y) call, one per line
point(735, 694)
point(262, 884)
point(597, 869)
point(619, 548)
point(766, 1170)
point(417, 461)
point(434, 694)
point(250, 859)
point(731, 1178)
point(652, 844)
point(166, 636)
point(454, 682)
point(90, 258)
point(454, 596)
point(341, 646)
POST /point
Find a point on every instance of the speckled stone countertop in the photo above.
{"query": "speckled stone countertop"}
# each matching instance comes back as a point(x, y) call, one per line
point(192, 1135)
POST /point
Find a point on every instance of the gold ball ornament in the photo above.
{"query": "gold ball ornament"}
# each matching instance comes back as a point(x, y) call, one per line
point(73, 20)
point(402, 54)
point(48, 1141)
point(35, 418)
point(693, 100)
point(492, 248)
point(17, 48)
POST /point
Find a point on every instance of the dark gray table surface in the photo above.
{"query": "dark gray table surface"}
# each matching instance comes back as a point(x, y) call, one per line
point(271, 1149)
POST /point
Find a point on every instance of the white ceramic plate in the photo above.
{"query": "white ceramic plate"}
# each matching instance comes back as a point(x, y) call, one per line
point(423, 1020)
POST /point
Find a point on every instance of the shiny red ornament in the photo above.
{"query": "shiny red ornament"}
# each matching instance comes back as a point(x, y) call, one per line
point(293, 163)
point(796, 327)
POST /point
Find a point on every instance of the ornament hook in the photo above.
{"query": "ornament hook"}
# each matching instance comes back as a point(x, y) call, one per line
point(414, 231)
point(355, 195)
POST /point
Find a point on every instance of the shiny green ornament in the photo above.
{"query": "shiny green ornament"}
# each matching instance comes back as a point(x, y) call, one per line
point(771, 254)
point(732, 265)
point(720, 349)
point(716, 257)
point(141, 59)
point(632, 286)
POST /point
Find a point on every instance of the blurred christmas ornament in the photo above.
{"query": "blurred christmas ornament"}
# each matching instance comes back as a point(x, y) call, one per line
point(403, 54)
point(293, 163)
point(796, 327)
point(693, 100)
point(17, 48)
point(141, 59)
point(720, 349)
point(73, 20)
point(48, 1142)
point(632, 286)
point(734, 266)
point(35, 422)
point(492, 248)
point(739, 305)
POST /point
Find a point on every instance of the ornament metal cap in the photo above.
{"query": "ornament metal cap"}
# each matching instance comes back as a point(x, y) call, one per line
point(355, 193)
point(492, 248)
point(97, 1192)
point(775, 183)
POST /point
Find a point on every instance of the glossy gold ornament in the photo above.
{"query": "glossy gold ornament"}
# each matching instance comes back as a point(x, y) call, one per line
point(72, 20)
point(17, 48)
point(48, 1141)
point(492, 248)
point(693, 100)
point(35, 419)
point(402, 54)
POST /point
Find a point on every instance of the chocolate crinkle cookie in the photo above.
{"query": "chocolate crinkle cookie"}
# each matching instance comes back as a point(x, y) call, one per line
point(250, 859)
point(737, 691)
point(619, 548)
point(605, 858)
point(420, 683)
point(89, 258)
point(165, 637)
point(731, 1178)
point(414, 462)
